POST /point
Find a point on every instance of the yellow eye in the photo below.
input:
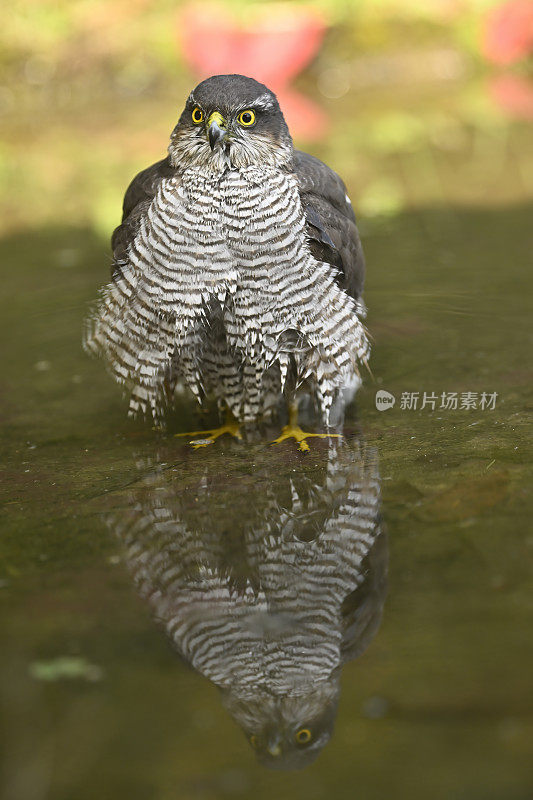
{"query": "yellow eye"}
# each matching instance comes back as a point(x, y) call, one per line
point(197, 115)
point(303, 736)
point(246, 118)
point(254, 741)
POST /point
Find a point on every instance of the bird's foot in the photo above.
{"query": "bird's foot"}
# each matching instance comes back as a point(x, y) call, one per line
point(210, 436)
point(293, 431)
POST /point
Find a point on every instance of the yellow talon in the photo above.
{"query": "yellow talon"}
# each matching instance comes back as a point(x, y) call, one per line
point(293, 431)
point(231, 426)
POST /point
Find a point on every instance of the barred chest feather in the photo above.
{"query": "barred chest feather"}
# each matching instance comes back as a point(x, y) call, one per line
point(221, 290)
point(274, 615)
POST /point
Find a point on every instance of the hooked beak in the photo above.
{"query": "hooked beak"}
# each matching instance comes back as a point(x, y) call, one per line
point(216, 129)
point(274, 747)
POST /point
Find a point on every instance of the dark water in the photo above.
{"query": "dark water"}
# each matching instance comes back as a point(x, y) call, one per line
point(99, 511)
point(397, 631)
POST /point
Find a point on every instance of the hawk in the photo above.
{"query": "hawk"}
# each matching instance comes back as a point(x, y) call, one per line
point(268, 604)
point(237, 268)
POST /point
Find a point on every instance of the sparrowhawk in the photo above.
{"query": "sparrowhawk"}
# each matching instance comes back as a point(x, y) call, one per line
point(237, 268)
point(270, 603)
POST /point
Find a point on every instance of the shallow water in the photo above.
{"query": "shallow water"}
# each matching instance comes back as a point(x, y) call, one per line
point(96, 702)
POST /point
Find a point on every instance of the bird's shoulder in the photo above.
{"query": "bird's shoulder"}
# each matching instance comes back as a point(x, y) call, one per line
point(331, 225)
point(144, 185)
point(137, 198)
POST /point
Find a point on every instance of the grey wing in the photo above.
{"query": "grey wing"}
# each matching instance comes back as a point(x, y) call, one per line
point(331, 226)
point(138, 197)
point(362, 610)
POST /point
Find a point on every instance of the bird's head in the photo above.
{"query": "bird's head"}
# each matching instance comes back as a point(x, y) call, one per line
point(287, 732)
point(230, 121)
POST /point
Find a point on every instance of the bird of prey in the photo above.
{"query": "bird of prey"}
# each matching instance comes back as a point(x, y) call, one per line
point(237, 269)
point(268, 604)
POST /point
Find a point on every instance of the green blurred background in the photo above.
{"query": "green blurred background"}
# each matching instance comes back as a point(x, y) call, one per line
point(91, 90)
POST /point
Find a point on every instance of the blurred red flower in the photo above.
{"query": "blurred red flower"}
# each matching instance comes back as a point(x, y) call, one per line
point(273, 47)
point(508, 33)
point(513, 94)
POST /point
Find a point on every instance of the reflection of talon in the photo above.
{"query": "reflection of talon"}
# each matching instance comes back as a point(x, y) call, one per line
point(196, 443)
point(293, 431)
point(231, 426)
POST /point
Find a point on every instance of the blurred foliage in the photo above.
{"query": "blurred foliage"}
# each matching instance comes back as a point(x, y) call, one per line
point(83, 32)
point(91, 89)
point(65, 667)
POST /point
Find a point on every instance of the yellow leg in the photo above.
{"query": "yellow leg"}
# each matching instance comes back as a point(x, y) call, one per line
point(293, 431)
point(230, 426)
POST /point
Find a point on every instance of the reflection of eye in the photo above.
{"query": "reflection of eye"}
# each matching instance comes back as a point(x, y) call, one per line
point(197, 115)
point(246, 118)
point(254, 741)
point(303, 736)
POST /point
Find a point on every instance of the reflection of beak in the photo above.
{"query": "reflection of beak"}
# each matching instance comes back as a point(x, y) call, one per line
point(216, 128)
point(274, 747)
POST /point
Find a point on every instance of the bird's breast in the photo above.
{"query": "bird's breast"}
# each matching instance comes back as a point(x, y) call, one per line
point(210, 236)
point(255, 217)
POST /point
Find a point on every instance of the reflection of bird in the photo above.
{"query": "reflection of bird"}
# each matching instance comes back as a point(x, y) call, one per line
point(237, 267)
point(270, 602)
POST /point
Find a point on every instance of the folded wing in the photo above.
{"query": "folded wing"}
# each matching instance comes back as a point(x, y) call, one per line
point(331, 226)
